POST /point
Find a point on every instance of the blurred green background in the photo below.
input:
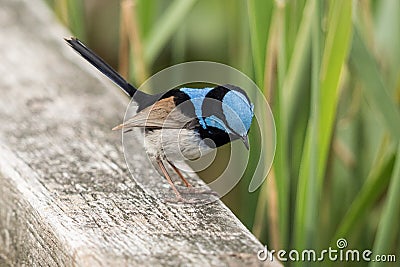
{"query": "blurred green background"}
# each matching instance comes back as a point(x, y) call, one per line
point(331, 73)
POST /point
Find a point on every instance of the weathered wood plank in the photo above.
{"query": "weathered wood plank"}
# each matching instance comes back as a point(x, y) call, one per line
point(66, 196)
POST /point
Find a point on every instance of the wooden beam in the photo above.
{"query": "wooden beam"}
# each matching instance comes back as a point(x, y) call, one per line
point(66, 195)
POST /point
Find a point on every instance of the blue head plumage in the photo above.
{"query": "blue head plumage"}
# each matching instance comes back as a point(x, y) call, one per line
point(224, 107)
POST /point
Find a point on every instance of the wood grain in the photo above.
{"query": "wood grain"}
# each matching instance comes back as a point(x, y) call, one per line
point(66, 195)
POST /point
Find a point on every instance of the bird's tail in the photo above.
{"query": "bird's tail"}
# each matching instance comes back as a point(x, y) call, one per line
point(106, 69)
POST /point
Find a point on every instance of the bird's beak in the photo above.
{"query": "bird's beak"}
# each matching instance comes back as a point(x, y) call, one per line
point(245, 141)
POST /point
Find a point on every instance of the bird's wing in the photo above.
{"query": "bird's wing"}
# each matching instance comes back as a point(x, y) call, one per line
point(163, 114)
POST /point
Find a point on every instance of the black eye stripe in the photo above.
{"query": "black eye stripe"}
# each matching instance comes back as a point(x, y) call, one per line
point(212, 103)
point(218, 92)
point(237, 89)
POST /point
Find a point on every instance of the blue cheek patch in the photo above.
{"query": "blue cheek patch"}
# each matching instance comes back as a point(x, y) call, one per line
point(196, 97)
point(238, 112)
point(214, 121)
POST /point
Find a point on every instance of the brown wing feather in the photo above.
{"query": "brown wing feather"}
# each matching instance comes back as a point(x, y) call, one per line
point(162, 114)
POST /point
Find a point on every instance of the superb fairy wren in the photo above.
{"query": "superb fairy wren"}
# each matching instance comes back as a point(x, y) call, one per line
point(183, 123)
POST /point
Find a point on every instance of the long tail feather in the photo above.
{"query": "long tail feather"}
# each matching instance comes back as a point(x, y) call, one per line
point(106, 69)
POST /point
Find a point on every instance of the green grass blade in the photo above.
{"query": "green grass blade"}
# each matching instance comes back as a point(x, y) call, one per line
point(259, 16)
point(76, 10)
point(321, 124)
point(271, 191)
point(165, 28)
point(146, 12)
point(298, 62)
point(375, 185)
point(366, 68)
point(281, 166)
point(335, 55)
point(71, 13)
point(307, 219)
point(288, 87)
point(388, 36)
point(282, 179)
point(388, 225)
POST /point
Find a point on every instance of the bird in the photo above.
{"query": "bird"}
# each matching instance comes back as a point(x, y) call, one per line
point(182, 123)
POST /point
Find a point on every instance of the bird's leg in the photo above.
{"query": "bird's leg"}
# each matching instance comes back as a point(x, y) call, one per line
point(179, 174)
point(166, 175)
point(190, 189)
